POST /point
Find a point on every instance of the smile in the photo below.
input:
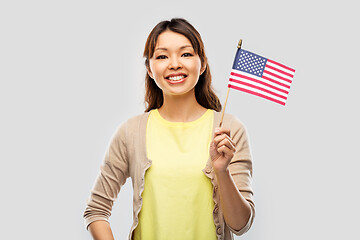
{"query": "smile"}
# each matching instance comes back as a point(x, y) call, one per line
point(176, 79)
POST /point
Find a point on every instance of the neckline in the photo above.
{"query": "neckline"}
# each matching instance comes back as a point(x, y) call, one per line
point(181, 124)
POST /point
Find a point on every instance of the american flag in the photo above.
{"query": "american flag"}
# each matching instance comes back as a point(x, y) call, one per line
point(261, 76)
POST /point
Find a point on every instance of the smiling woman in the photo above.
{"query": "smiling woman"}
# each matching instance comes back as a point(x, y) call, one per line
point(193, 48)
point(191, 180)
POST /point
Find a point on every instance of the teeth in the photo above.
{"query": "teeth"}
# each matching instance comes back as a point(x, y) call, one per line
point(176, 78)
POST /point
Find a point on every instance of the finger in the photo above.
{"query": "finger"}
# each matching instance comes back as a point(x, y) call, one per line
point(219, 131)
point(226, 151)
point(225, 138)
point(219, 138)
point(228, 143)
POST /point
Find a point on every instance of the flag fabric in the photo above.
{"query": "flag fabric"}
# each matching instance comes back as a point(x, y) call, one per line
point(261, 76)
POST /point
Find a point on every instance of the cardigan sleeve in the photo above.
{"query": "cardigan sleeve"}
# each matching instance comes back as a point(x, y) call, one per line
point(113, 173)
point(241, 170)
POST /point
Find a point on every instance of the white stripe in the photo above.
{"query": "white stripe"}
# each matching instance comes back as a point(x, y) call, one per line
point(280, 68)
point(257, 91)
point(264, 80)
point(258, 85)
point(278, 73)
point(277, 79)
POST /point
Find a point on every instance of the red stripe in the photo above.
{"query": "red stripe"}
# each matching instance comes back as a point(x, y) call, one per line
point(258, 88)
point(281, 65)
point(277, 76)
point(274, 81)
point(280, 71)
point(257, 94)
point(258, 81)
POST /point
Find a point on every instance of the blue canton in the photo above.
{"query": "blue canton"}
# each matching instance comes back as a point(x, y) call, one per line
point(249, 62)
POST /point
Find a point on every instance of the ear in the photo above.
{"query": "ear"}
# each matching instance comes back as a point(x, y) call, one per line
point(149, 72)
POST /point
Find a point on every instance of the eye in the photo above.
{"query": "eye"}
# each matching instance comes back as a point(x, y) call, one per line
point(187, 55)
point(161, 57)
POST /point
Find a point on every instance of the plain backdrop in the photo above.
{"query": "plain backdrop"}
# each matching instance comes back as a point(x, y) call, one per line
point(72, 71)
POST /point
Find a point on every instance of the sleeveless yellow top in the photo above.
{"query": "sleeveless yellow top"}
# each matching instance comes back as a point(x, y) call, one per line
point(177, 198)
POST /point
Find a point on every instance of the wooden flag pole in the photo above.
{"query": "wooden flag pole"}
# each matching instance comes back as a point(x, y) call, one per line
point(227, 94)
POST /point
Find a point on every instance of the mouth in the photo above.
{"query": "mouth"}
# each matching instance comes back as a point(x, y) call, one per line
point(176, 79)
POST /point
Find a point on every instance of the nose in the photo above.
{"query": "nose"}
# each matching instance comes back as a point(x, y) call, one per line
point(175, 63)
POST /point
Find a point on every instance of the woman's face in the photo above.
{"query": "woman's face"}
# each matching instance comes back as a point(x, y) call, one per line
point(174, 65)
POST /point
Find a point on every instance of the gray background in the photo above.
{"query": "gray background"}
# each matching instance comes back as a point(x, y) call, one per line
point(72, 71)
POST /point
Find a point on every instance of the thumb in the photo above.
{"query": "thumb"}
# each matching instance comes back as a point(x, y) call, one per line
point(213, 151)
point(212, 145)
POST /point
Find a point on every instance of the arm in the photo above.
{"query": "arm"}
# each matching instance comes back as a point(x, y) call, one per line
point(232, 164)
point(100, 230)
point(113, 174)
point(235, 207)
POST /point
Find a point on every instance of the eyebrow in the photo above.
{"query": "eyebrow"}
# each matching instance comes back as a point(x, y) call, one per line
point(165, 49)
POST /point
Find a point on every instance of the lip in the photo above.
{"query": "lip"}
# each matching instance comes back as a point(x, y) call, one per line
point(176, 82)
point(175, 74)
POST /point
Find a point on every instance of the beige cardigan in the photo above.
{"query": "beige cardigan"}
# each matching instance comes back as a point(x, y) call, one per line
point(126, 157)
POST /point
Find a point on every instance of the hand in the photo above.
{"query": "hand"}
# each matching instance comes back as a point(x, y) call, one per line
point(222, 149)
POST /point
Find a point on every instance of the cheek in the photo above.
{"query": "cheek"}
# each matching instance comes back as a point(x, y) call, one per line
point(196, 66)
point(157, 69)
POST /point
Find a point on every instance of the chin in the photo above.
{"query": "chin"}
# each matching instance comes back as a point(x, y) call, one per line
point(180, 93)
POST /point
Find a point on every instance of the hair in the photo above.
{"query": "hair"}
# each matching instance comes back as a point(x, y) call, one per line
point(204, 92)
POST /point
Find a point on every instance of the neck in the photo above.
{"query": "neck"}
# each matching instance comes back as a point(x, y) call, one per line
point(182, 108)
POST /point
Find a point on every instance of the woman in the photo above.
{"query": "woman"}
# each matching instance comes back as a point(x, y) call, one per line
point(191, 179)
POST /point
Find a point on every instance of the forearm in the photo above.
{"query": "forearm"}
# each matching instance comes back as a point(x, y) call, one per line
point(100, 230)
point(235, 207)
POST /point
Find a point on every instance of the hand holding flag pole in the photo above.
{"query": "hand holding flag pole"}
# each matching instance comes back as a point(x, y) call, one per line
point(227, 94)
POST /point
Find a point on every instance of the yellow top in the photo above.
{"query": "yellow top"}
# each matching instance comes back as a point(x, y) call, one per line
point(177, 198)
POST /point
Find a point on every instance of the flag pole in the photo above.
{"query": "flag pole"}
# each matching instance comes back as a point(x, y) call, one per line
point(227, 94)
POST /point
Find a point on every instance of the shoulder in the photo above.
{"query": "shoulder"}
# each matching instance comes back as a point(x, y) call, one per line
point(131, 125)
point(137, 119)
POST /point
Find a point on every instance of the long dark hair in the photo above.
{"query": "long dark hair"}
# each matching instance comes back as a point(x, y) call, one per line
point(204, 93)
